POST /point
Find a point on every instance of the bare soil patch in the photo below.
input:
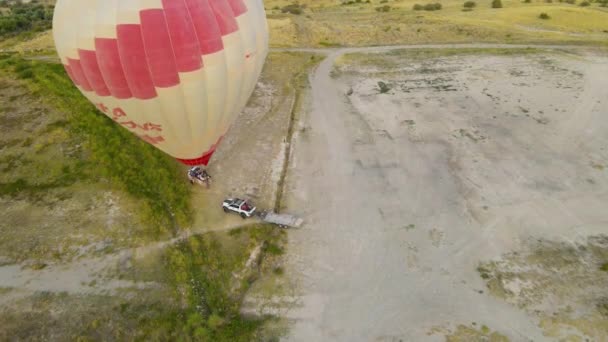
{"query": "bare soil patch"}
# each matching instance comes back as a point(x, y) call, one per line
point(406, 191)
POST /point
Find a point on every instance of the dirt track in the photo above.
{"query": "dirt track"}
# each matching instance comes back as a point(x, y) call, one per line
point(406, 193)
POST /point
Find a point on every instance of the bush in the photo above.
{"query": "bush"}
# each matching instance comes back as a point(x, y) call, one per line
point(527, 1)
point(295, 9)
point(357, 2)
point(273, 249)
point(22, 17)
point(384, 88)
point(496, 4)
point(428, 7)
point(469, 4)
point(584, 4)
point(25, 74)
point(384, 8)
point(544, 16)
point(571, 2)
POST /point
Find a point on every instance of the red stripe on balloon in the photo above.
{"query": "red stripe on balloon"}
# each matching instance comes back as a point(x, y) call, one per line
point(224, 16)
point(158, 48)
point(71, 74)
point(133, 57)
point(238, 7)
point(79, 76)
point(152, 54)
point(111, 68)
point(204, 159)
point(206, 26)
point(90, 67)
point(183, 36)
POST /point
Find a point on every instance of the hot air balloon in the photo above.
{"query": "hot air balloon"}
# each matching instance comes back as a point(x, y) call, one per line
point(174, 72)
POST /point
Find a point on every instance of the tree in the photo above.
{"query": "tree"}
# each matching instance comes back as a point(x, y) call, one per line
point(496, 4)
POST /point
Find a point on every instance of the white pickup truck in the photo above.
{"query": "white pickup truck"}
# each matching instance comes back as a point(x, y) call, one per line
point(239, 206)
point(246, 209)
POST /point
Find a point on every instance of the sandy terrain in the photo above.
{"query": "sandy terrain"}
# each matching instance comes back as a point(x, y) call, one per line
point(466, 158)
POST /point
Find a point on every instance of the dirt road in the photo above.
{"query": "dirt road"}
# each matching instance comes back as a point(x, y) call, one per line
point(406, 193)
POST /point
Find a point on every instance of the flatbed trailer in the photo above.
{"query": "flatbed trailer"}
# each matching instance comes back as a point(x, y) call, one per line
point(281, 220)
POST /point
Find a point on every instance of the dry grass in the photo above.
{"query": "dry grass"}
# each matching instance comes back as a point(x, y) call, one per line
point(42, 42)
point(327, 23)
point(561, 283)
point(472, 334)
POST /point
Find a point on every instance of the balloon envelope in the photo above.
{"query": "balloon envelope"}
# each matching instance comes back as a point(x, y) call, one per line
point(174, 72)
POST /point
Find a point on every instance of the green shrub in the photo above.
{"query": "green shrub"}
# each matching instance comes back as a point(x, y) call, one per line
point(384, 88)
point(584, 4)
point(469, 4)
point(544, 16)
point(604, 267)
point(295, 9)
point(496, 4)
point(358, 2)
point(527, 1)
point(571, 2)
point(23, 17)
point(25, 74)
point(273, 249)
point(428, 7)
point(384, 8)
point(432, 7)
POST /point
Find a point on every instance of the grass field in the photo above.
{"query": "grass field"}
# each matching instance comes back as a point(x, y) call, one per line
point(194, 292)
point(328, 23)
point(105, 152)
point(48, 179)
point(74, 187)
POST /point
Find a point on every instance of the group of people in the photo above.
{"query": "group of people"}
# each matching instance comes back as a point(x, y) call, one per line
point(197, 174)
